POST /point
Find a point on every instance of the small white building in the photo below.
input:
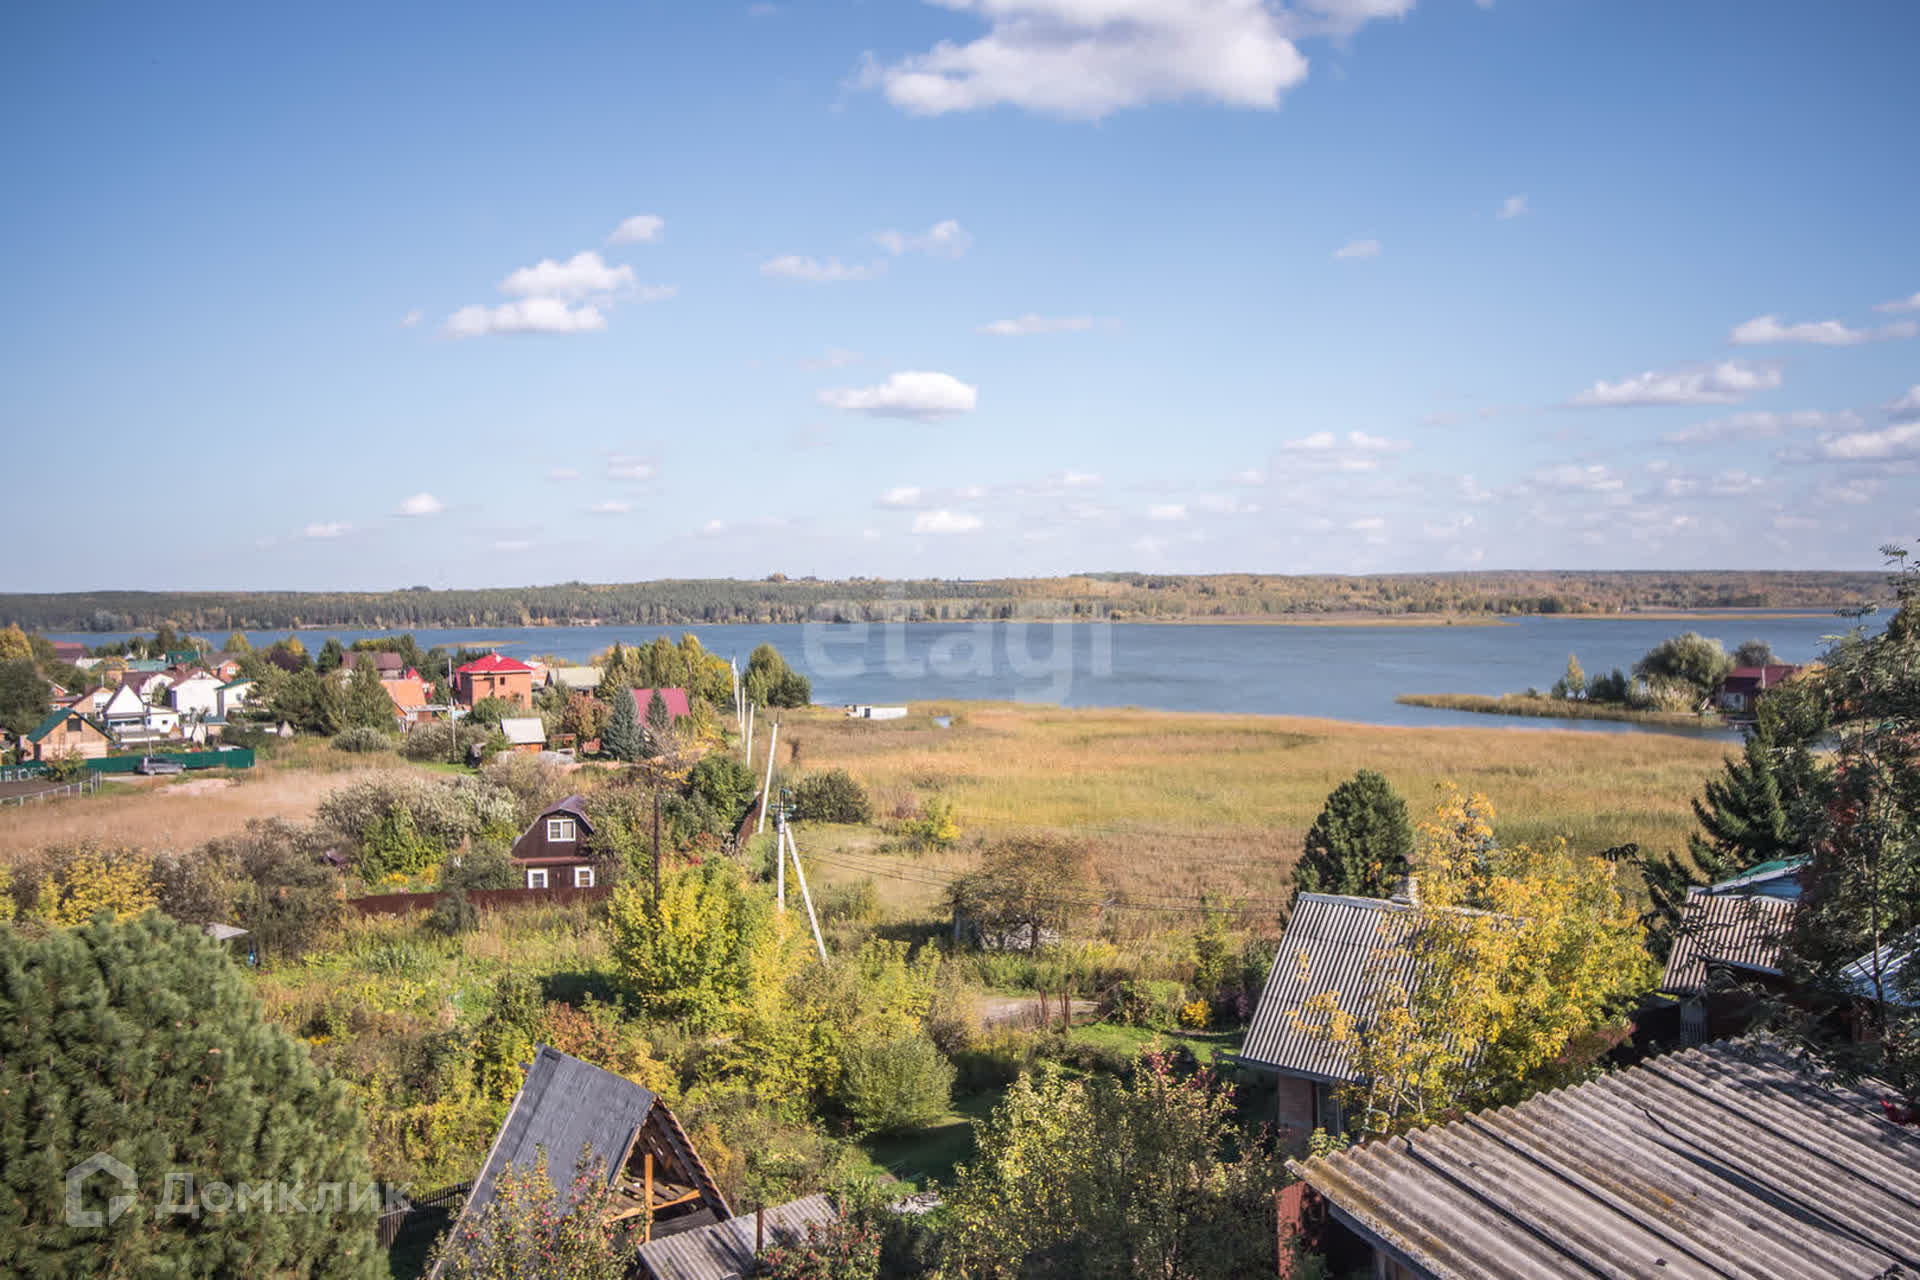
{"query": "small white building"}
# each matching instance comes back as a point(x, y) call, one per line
point(132, 718)
point(864, 712)
point(196, 695)
point(233, 693)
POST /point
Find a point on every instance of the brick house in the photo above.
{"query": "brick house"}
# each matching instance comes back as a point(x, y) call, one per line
point(556, 850)
point(66, 732)
point(493, 676)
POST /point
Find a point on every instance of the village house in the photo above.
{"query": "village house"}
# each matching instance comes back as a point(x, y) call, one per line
point(574, 679)
point(1330, 945)
point(567, 1108)
point(196, 693)
point(71, 652)
point(1742, 688)
point(676, 700)
point(234, 693)
point(1729, 942)
point(556, 850)
point(389, 666)
point(493, 676)
point(151, 686)
point(412, 699)
point(64, 733)
point(1725, 1160)
point(524, 734)
point(132, 719)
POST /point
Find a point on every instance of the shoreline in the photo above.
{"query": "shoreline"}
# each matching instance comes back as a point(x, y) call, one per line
point(1522, 706)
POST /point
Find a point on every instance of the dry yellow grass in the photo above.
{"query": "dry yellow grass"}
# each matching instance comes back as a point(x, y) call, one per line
point(1180, 804)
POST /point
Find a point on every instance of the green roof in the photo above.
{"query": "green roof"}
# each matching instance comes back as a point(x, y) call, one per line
point(237, 680)
point(58, 717)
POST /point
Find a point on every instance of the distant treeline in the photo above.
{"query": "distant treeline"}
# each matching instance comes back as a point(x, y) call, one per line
point(1121, 596)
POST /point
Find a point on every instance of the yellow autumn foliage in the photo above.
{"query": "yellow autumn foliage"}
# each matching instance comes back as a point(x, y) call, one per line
point(94, 880)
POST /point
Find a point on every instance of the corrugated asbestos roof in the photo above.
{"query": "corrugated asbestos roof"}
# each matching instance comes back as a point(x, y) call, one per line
point(523, 730)
point(1717, 1163)
point(724, 1251)
point(1741, 929)
point(1332, 938)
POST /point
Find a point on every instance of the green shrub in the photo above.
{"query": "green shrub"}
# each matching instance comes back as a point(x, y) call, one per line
point(856, 903)
point(995, 1061)
point(484, 866)
point(722, 783)
point(893, 1086)
point(453, 915)
point(832, 796)
point(361, 738)
point(1146, 1003)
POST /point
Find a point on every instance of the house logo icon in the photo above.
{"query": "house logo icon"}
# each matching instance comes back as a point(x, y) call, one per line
point(76, 1179)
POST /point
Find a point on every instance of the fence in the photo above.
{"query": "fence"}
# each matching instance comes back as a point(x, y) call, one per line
point(21, 772)
point(223, 758)
point(399, 904)
point(85, 786)
point(419, 1212)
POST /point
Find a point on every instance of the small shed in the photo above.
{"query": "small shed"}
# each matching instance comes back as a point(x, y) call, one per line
point(727, 1250)
point(567, 1107)
point(525, 734)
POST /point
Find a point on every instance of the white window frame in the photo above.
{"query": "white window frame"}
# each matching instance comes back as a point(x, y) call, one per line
point(583, 877)
point(536, 877)
point(562, 831)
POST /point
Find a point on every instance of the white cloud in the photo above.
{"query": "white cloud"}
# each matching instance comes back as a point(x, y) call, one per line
point(621, 467)
point(947, 239)
point(1321, 441)
point(1470, 491)
point(1906, 407)
point(906, 495)
point(609, 507)
point(909, 394)
point(562, 473)
point(1326, 451)
point(534, 315)
point(1854, 493)
point(1079, 479)
point(330, 529)
point(1734, 484)
point(412, 318)
point(512, 544)
point(1899, 441)
point(1225, 504)
point(1826, 333)
point(1085, 59)
point(1167, 511)
point(1572, 478)
point(1025, 325)
point(641, 228)
point(1250, 478)
point(1762, 426)
point(580, 276)
point(945, 521)
point(1358, 249)
point(1367, 524)
point(794, 266)
point(1910, 303)
point(713, 528)
point(1723, 383)
point(421, 504)
point(1513, 207)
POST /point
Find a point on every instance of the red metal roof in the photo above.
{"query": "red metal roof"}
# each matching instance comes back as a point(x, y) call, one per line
point(676, 700)
point(494, 663)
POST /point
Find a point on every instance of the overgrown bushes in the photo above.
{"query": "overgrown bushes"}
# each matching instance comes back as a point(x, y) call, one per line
point(832, 796)
point(362, 739)
point(892, 1086)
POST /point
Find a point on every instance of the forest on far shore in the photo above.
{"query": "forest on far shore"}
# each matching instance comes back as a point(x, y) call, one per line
point(1115, 596)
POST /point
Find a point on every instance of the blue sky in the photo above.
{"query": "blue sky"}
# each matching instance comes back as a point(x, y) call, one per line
point(369, 296)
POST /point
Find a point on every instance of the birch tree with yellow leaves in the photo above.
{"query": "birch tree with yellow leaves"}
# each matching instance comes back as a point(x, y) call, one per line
point(1505, 972)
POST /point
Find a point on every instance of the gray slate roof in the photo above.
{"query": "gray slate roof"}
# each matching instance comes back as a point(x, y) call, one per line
point(523, 731)
point(724, 1251)
point(1718, 1163)
point(578, 679)
point(1745, 930)
point(564, 1105)
point(1333, 939)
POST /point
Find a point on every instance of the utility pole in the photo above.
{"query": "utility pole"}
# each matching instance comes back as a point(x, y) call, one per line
point(656, 846)
point(780, 861)
point(801, 874)
point(766, 791)
point(453, 705)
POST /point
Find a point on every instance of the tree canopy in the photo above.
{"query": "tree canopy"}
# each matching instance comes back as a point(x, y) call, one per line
point(1361, 841)
point(1689, 661)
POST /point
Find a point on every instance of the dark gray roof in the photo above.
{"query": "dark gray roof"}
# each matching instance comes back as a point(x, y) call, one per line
point(1328, 946)
point(575, 804)
point(564, 1106)
point(1718, 1162)
point(724, 1250)
point(1743, 930)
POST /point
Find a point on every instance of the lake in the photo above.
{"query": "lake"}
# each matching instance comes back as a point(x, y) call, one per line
point(1335, 672)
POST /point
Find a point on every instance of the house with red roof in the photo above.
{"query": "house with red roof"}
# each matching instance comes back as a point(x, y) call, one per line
point(1743, 687)
point(493, 676)
point(676, 700)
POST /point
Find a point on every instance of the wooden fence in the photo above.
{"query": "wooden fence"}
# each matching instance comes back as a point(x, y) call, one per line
point(399, 904)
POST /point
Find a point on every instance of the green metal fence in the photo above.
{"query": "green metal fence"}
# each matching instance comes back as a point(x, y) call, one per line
point(224, 758)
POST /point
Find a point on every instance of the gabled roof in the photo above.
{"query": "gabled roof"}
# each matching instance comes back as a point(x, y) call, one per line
point(1717, 1162)
point(1894, 956)
point(1329, 946)
point(59, 716)
point(1738, 930)
point(724, 1251)
point(493, 664)
point(523, 730)
point(1779, 878)
point(237, 681)
point(1759, 677)
point(676, 700)
point(580, 679)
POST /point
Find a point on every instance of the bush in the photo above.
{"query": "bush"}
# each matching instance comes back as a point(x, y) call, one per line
point(1195, 1014)
point(362, 739)
point(484, 866)
point(453, 915)
point(722, 783)
point(435, 740)
point(832, 796)
point(937, 827)
point(892, 1086)
point(1146, 1003)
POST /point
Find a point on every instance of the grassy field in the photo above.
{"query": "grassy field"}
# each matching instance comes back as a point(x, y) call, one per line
point(1520, 704)
point(1181, 804)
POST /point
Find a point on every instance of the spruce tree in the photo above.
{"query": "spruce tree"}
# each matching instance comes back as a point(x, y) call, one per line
point(141, 1042)
point(366, 703)
point(1747, 815)
point(659, 727)
point(623, 738)
point(1361, 841)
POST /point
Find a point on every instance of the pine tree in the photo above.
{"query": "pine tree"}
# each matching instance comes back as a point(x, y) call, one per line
point(141, 1042)
point(332, 655)
point(1360, 842)
point(623, 738)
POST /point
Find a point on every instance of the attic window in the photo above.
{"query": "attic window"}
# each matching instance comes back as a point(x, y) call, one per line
point(560, 831)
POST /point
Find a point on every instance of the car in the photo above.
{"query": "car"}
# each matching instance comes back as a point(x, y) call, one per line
point(153, 767)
